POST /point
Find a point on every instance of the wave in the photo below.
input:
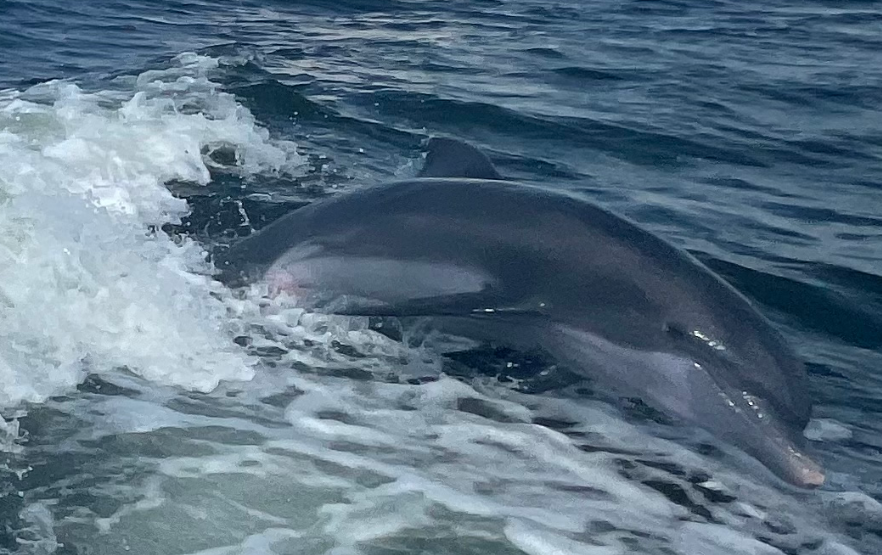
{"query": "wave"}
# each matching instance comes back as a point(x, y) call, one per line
point(87, 285)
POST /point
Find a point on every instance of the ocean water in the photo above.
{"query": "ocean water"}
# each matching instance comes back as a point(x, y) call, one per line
point(146, 409)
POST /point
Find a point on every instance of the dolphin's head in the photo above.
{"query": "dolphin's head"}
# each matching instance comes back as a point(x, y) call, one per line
point(699, 377)
point(749, 388)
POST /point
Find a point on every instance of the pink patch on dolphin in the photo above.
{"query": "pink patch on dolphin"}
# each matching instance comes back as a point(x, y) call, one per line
point(280, 281)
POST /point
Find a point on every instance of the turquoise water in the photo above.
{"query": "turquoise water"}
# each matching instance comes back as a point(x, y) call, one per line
point(149, 410)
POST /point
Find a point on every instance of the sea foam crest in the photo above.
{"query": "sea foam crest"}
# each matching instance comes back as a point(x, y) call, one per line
point(85, 286)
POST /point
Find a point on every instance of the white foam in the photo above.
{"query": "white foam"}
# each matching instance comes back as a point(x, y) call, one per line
point(152, 498)
point(268, 542)
point(9, 433)
point(535, 541)
point(83, 286)
point(826, 429)
point(366, 463)
point(835, 548)
point(714, 539)
point(38, 537)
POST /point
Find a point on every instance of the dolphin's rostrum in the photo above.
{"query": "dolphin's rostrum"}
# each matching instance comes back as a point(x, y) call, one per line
point(503, 261)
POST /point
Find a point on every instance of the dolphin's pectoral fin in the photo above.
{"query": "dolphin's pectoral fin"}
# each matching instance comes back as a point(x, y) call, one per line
point(452, 158)
point(474, 304)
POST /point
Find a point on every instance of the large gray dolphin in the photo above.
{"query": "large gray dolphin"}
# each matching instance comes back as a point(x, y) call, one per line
point(508, 262)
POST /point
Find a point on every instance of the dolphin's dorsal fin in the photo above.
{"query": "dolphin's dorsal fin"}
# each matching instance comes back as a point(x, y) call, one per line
point(452, 158)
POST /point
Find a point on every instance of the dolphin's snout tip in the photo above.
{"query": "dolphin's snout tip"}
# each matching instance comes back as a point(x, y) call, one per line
point(812, 478)
point(805, 472)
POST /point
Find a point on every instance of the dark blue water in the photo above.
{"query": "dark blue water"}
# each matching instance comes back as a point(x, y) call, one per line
point(749, 134)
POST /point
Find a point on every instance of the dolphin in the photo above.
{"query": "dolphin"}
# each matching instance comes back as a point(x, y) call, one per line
point(515, 263)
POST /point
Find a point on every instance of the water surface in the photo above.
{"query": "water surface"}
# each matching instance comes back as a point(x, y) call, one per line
point(149, 410)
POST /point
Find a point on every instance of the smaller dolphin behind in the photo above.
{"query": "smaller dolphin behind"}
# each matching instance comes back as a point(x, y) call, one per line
point(512, 263)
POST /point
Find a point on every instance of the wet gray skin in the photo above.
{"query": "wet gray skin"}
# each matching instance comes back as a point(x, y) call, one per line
point(507, 262)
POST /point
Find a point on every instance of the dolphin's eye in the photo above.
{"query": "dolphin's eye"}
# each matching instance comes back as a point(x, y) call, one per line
point(675, 330)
